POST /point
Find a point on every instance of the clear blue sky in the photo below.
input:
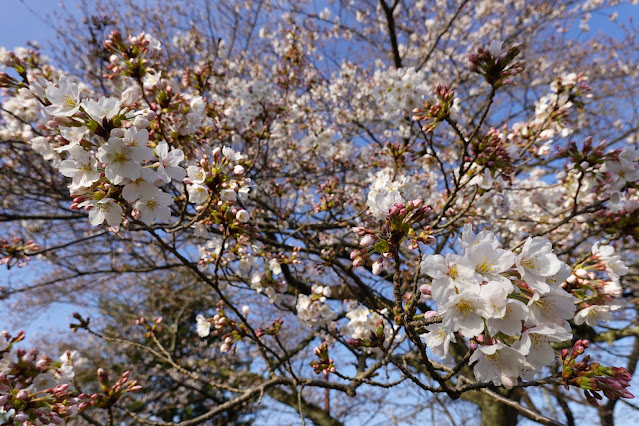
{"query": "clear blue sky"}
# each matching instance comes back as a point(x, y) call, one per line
point(23, 20)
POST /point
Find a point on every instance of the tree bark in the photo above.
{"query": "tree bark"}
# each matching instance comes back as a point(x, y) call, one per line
point(493, 413)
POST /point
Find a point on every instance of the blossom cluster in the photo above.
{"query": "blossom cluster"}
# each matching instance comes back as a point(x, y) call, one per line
point(596, 282)
point(511, 305)
point(37, 390)
point(119, 165)
point(176, 148)
point(14, 253)
point(367, 328)
point(113, 148)
point(313, 310)
point(398, 92)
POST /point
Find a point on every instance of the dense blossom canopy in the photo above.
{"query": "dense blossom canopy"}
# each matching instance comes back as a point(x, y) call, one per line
point(326, 209)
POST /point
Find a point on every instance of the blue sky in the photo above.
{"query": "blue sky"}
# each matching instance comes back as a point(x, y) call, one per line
point(24, 20)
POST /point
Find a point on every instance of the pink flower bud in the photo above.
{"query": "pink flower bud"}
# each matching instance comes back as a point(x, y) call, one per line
point(216, 153)
point(367, 240)
point(359, 231)
point(61, 388)
point(425, 289)
point(22, 417)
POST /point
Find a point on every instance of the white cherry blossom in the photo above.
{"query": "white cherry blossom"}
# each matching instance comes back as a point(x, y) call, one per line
point(497, 363)
point(536, 262)
point(144, 186)
point(155, 208)
point(103, 108)
point(196, 174)
point(556, 307)
point(231, 155)
point(136, 137)
point(228, 195)
point(72, 134)
point(82, 167)
point(203, 327)
point(469, 239)
point(104, 209)
point(535, 343)
point(615, 267)
point(508, 319)
point(123, 161)
point(169, 167)
point(198, 194)
point(490, 263)
point(449, 274)
point(464, 312)
point(438, 339)
point(592, 315)
point(65, 99)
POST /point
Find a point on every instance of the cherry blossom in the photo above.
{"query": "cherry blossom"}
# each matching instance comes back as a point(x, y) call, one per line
point(536, 262)
point(154, 207)
point(104, 209)
point(497, 363)
point(82, 168)
point(169, 162)
point(65, 99)
point(123, 161)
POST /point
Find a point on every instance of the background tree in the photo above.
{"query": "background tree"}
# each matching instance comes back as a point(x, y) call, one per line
point(331, 161)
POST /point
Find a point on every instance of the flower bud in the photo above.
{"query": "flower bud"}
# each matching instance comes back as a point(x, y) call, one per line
point(359, 231)
point(141, 122)
point(367, 240)
point(117, 133)
point(130, 96)
point(581, 273)
point(377, 267)
point(22, 417)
